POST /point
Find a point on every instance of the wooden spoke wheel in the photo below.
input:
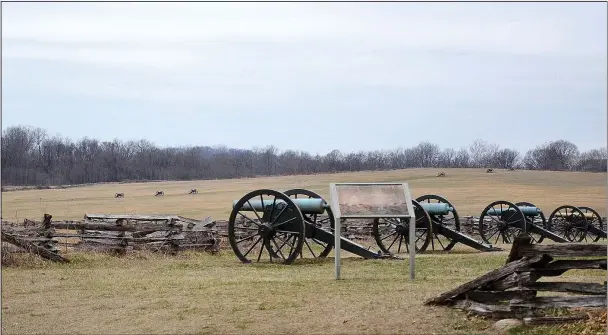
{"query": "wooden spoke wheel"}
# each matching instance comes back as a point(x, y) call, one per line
point(595, 220)
point(313, 246)
point(392, 234)
point(538, 220)
point(274, 232)
point(440, 222)
point(500, 221)
point(569, 222)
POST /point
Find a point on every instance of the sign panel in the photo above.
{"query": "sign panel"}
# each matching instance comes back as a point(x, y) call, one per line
point(371, 200)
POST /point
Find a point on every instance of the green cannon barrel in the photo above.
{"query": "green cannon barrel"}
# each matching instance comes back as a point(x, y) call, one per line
point(307, 206)
point(527, 210)
point(588, 216)
point(437, 208)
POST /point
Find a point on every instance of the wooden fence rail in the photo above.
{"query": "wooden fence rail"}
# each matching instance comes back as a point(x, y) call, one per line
point(115, 233)
point(511, 291)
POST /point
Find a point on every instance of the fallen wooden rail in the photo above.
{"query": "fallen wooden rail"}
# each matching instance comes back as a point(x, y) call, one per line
point(511, 291)
point(32, 248)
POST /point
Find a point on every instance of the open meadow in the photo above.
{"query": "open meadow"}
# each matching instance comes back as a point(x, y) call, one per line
point(470, 190)
point(216, 294)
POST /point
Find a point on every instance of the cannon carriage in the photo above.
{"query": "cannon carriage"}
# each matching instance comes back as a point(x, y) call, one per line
point(597, 226)
point(300, 223)
point(286, 226)
point(503, 220)
point(437, 226)
point(577, 224)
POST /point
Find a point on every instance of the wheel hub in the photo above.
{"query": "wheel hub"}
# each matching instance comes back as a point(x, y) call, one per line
point(402, 229)
point(266, 230)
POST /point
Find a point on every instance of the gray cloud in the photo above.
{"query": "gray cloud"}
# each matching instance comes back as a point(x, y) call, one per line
point(377, 69)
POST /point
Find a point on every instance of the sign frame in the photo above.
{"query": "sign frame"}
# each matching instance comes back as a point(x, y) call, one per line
point(338, 216)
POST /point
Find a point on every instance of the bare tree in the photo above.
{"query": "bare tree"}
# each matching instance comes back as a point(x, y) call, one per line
point(29, 156)
point(593, 160)
point(560, 155)
point(505, 158)
point(462, 159)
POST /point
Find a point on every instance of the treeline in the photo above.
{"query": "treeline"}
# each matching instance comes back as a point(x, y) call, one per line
point(30, 156)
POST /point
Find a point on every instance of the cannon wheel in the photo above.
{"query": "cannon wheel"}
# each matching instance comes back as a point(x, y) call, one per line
point(595, 221)
point(500, 226)
point(247, 233)
point(310, 243)
point(569, 222)
point(442, 221)
point(385, 228)
point(536, 238)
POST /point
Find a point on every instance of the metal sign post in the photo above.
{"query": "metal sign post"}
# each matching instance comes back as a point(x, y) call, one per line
point(371, 201)
point(338, 227)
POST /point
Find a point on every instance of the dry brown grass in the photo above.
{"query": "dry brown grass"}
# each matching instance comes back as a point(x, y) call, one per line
point(200, 293)
point(470, 190)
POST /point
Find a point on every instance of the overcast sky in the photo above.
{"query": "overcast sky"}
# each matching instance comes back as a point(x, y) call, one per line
point(309, 76)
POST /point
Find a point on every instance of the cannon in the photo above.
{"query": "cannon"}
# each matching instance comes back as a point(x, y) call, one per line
point(283, 224)
point(597, 227)
point(574, 224)
point(392, 234)
point(437, 224)
point(507, 220)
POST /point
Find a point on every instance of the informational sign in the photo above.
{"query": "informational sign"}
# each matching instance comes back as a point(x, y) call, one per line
point(369, 201)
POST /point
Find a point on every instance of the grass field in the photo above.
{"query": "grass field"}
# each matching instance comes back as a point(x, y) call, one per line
point(470, 190)
point(200, 293)
point(204, 294)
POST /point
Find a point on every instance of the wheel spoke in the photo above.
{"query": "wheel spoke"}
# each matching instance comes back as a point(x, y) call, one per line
point(395, 240)
point(261, 249)
point(248, 219)
point(309, 248)
point(246, 238)
point(278, 249)
point(253, 209)
point(254, 244)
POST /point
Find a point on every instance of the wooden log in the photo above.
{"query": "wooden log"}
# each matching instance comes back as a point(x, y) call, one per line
point(582, 288)
point(517, 243)
point(143, 233)
point(46, 221)
point(196, 245)
point(132, 227)
point(101, 241)
point(562, 302)
point(491, 276)
point(559, 267)
point(114, 217)
point(577, 264)
point(30, 247)
point(497, 296)
point(125, 238)
point(513, 280)
point(492, 311)
point(564, 250)
point(552, 320)
point(206, 221)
